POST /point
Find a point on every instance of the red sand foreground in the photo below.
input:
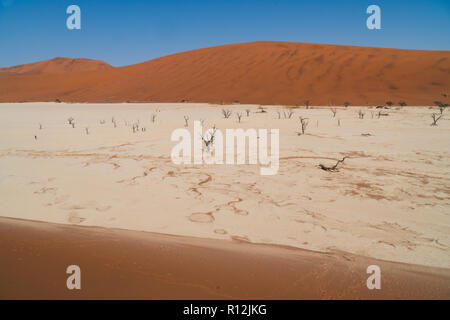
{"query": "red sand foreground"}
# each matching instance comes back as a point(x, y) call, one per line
point(128, 264)
point(260, 72)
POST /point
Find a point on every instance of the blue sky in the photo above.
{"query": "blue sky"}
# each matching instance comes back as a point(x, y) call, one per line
point(128, 32)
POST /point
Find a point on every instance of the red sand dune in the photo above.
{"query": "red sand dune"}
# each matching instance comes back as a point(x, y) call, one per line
point(57, 66)
point(258, 72)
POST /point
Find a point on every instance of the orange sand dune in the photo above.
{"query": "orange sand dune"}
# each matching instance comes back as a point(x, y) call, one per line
point(120, 264)
point(57, 66)
point(258, 72)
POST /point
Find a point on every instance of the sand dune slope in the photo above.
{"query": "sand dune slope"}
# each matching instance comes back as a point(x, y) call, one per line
point(56, 66)
point(259, 72)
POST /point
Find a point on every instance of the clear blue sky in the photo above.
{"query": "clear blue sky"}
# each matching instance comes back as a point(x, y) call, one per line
point(128, 32)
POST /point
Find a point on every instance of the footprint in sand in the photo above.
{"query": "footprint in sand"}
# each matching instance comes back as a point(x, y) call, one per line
point(75, 218)
point(206, 217)
point(220, 231)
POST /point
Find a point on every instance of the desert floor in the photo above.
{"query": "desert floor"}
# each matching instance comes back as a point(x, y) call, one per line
point(390, 200)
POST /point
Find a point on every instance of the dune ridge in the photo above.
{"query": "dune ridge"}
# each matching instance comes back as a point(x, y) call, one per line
point(259, 73)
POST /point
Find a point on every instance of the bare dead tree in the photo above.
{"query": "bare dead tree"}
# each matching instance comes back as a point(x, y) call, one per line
point(279, 114)
point(435, 118)
point(186, 119)
point(288, 114)
point(209, 141)
point(261, 109)
point(239, 116)
point(248, 112)
point(153, 117)
point(226, 113)
point(40, 126)
point(70, 120)
point(332, 168)
point(303, 125)
point(307, 104)
point(334, 111)
point(441, 106)
point(339, 122)
point(381, 114)
point(361, 114)
point(87, 130)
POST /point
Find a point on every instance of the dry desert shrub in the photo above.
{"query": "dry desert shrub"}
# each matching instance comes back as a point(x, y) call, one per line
point(334, 111)
point(332, 168)
point(226, 113)
point(303, 125)
point(435, 118)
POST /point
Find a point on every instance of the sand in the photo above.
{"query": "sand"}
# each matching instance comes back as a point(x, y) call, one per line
point(389, 201)
point(259, 72)
point(119, 264)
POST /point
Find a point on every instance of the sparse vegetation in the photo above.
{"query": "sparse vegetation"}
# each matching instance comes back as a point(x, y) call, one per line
point(334, 111)
point(361, 114)
point(307, 104)
point(226, 113)
point(389, 103)
point(441, 106)
point(332, 168)
point(288, 113)
point(209, 141)
point(402, 103)
point(261, 109)
point(346, 104)
point(303, 125)
point(435, 118)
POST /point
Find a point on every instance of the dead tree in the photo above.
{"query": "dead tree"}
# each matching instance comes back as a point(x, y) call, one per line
point(239, 116)
point(226, 113)
point(307, 103)
point(153, 117)
point(70, 120)
point(303, 125)
point(288, 114)
point(435, 118)
point(334, 111)
point(332, 168)
point(186, 119)
point(261, 109)
point(361, 114)
point(87, 130)
point(210, 140)
point(248, 112)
